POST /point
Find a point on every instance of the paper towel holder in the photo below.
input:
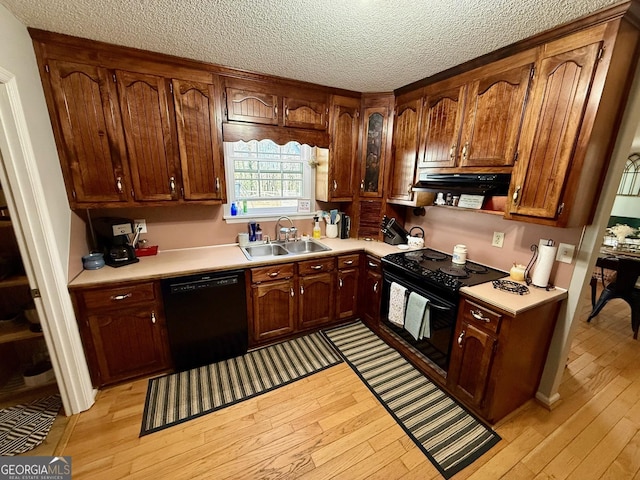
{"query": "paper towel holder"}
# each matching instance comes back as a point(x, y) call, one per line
point(534, 257)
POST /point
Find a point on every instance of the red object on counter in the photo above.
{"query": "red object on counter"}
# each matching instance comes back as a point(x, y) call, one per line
point(147, 251)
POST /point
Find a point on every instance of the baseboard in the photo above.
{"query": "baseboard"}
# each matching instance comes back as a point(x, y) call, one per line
point(548, 402)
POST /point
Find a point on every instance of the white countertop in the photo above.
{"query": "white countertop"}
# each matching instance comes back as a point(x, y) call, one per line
point(188, 261)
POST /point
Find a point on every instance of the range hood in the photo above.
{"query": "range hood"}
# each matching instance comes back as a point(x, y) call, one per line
point(471, 183)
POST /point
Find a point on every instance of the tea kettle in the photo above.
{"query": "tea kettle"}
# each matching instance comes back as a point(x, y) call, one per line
point(415, 241)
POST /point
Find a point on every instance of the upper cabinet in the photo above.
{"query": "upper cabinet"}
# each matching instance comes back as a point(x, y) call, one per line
point(244, 105)
point(335, 173)
point(376, 136)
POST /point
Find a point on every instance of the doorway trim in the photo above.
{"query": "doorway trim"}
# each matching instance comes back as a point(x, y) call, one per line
point(28, 209)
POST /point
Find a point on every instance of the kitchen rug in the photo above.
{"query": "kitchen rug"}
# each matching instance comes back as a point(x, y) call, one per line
point(178, 397)
point(449, 435)
point(24, 427)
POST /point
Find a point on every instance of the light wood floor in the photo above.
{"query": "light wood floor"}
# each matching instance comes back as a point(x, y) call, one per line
point(330, 426)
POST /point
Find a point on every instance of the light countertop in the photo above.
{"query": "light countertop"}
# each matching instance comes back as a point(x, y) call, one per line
point(188, 261)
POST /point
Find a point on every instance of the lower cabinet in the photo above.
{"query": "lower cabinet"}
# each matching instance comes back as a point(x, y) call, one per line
point(273, 302)
point(123, 331)
point(317, 301)
point(497, 357)
point(372, 291)
point(348, 286)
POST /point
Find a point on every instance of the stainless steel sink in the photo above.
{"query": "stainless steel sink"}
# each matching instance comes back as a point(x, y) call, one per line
point(279, 249)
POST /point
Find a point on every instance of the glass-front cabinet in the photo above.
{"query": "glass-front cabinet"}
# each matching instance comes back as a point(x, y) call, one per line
point(374, 152)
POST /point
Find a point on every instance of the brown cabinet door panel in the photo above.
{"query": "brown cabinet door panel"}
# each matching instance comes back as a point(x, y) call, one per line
point(274, 309)
point(348, 280)
point(553, 119)
point(405, 150)
point(252, 107)
point(149, 134)
point(371, 296)
point(440, 131)
point(471, 358)
point(375, 151)
point(92, 138)
point(493, 118)
point(317, 299)
point(199, 140)
point(305, 114)
point(344, 148)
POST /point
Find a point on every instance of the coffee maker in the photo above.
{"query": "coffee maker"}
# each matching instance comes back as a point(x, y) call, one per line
point(112, 239)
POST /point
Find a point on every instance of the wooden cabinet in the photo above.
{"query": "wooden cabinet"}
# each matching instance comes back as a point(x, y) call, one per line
point(372, 291)
point(249, 105)
point(374, 151)
point(348, 285)
point(123, 331)
point(497, 357)
point(303, 112)
point(199, 140)
point(335, 173)
point(273, 302)
point(86, 117)
point(317, 285)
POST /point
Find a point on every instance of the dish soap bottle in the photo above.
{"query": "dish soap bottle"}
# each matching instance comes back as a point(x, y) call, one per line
point(316, 228)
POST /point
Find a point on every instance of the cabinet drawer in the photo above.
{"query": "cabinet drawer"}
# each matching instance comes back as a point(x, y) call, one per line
point(480, 316)
point(119, 297)
point(373, 264)
point(349, 261)
point(273, 272)
point(316, 266)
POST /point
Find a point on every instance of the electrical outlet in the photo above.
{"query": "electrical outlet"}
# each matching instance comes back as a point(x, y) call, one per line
point(498, 239)
point(565, 253)
point(141, 223)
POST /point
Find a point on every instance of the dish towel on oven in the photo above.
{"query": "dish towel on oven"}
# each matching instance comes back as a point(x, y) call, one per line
point(415, 315)
point(397, 303)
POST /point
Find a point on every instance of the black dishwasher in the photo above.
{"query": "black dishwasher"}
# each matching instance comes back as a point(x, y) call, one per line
point(206, 317)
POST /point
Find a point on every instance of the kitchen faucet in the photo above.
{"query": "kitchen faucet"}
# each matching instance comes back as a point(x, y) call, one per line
point(287, 231)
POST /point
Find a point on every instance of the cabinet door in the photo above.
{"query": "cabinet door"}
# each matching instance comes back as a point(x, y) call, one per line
point(274, 309)
point(372, 291)
point(493, 118)
point(374, 159)
point(128, 342)
point(440, 131)
point(348, 281)
point(317, 299)
point(405, 149)
point(199, 140)
point(93, 149)
point(250, 106)
point(552, 123)
point(343, 149)
point(302, 113)
point(470, 364)
point(150, 136)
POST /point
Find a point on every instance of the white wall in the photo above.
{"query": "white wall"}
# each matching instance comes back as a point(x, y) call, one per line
point(18, 57)
point(626, 207)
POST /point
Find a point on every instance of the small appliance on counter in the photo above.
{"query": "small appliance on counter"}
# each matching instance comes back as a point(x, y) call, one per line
point(393, 233)
point(345, 225)
point(112, 239)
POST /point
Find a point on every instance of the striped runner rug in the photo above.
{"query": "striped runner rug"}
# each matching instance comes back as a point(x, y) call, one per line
point(24, 427)
point(178, 397)
point(450, 436)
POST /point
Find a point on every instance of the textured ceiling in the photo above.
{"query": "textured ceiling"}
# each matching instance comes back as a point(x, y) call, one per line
point(362, 45)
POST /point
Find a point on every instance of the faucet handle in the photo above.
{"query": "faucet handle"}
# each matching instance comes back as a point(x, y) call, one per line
point(293, 231)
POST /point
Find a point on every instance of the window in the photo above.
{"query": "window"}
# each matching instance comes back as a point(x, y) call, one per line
point(630, 182)
point(269, 179)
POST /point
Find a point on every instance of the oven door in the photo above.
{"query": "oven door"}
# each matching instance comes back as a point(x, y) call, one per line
point(442, 316)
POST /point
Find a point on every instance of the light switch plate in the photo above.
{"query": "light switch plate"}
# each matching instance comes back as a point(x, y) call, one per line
point(565, 252)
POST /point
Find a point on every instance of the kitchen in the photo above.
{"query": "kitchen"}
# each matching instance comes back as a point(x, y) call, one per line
point(205, 224)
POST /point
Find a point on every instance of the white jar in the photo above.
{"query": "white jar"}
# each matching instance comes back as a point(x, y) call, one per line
point(460, 254)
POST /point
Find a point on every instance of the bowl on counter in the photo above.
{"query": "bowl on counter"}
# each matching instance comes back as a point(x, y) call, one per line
point(93, 261)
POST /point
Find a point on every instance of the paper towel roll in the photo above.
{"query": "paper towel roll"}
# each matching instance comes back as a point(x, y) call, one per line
point(544, 264)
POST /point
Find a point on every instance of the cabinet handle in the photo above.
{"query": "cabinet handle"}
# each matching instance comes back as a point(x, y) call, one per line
point(409, 189)
point(217, 184)
point(274, 274)
point(286, 112)
point(172, 185)
point(121, 297)
point(348, 262)
point(301, 290)
point(372, 265)
point(316, 267)
point(340, 282)
point(292, 292)
point(275, 110)
point(375, 287)
point(477, 314)
point(461, 338)
point(516, 195)
point(452, 152)
point(119, 185)
point(362, 185)
point(335, 185)
point(153, 317)
point(465, 151)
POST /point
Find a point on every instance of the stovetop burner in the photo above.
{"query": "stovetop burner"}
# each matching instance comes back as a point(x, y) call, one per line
point(433, 255)
point(457, 272)
point(475, 268)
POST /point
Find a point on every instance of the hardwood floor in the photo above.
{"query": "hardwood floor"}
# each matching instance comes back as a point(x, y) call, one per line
point(330, 426)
